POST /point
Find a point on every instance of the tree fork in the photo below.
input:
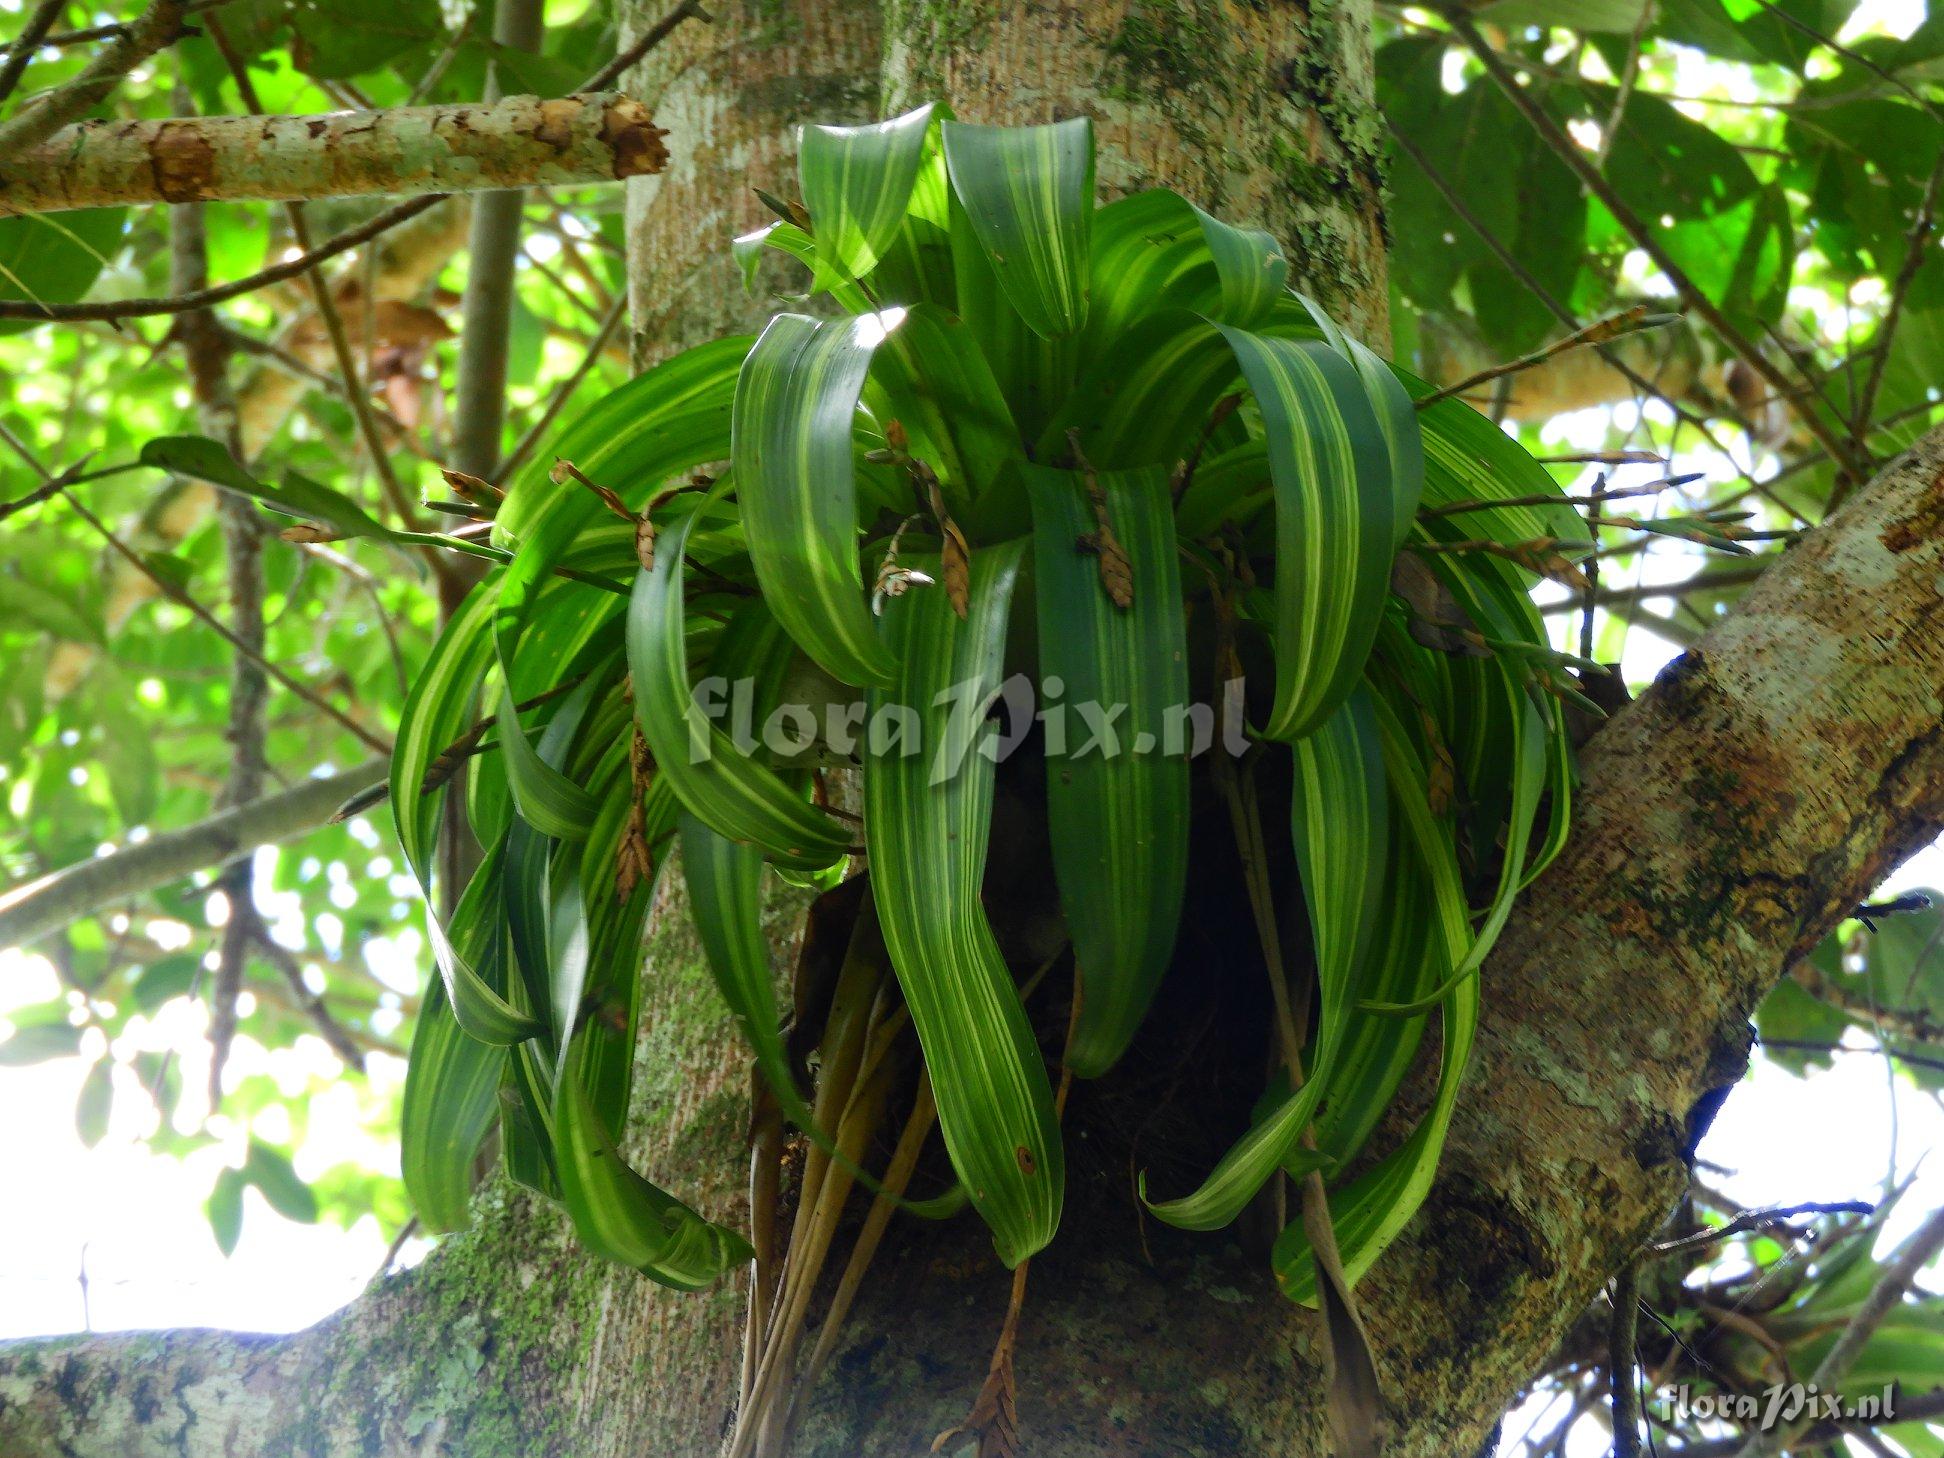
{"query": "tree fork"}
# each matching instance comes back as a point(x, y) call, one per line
point(521, 141)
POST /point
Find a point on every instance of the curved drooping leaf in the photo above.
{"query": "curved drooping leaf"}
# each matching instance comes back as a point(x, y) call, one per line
point(928, 803)
point(1117, 789)
point(1369, 1212)
point(1156, 250)
point(1028, 195)
point(796, 402)
point(938, 386)
point(1339, 820)
point(620, 1215)
point(714, 780)
point(452, 1079)
point(1335, 533)
point(724, 883)
point(1396, 414)
point(857, 184)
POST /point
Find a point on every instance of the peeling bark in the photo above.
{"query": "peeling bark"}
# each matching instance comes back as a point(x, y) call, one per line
point(523, 141)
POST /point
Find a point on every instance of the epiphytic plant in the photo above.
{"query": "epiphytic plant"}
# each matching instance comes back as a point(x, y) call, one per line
point(1107, 446)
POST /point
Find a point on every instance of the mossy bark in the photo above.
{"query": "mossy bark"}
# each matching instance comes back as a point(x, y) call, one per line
point(1726, 821)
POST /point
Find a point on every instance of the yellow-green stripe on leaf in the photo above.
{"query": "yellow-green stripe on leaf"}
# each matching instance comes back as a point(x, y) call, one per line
point(796, 405)
point(928, 812)
point(1028, 193)
point(1117, 797)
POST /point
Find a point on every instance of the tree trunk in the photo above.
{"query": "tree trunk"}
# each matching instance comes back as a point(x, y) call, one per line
point(1727, 819)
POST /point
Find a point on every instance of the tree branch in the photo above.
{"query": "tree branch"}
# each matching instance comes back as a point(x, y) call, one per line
point(523, 141)
point(31, 911)
point(154, 28)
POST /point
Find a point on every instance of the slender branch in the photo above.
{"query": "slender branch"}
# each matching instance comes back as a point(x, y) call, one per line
point(154, 28)
point(202, 298)
point(1920, 228)
point(1538, 290)
point(1621, 1391)
point(61, 39)
point(1644, 238)
point(625, 61)
point(502, 474)
point(182, 599)
point(32, 910)
point(21, 51)
point(479, 394)
point(1601, 331)
point(523, 141)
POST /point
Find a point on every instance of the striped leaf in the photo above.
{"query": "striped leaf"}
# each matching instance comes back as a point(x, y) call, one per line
point(1339, 821)
point(1117, 811)
point(1156, 250)
point(929, 804)
point(1028, 196)
point(452, 1078)
point(796, 403)
point(857, 184)
point(1396, 414)
point(621, 1216)
point(724, 883)
point(713, 779)
point(1371, 1210)
point(937, 384)
point(1335, 530)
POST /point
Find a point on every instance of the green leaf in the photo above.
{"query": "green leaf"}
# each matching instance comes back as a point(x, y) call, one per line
point(163, 979)
point(938, 385)
point(336, 39)
point(621, 1216)
point(206, 460)
point(1369, 1212)
point(1335, 521)
point(796, 401)
point(55, 259)
point(1028, 194)
point(38, 1043)
point(856, 184)
point(929, 803)
point(546, 799)
point(714, 780)
point(96, 1101)
point(1339, 822)
point(1156, 250)
point(724, 883)
point(1117, 810)
point(451, 1097)
point(225, 1209)
point(271, 1172)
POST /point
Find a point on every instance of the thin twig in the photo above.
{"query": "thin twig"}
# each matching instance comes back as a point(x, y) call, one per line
point(21, 52)
point(1749, 1220)
point(1601, 331)
point(1644, 237)
point(652, 37)
point(1539, 291)
point(1920, 227)
point(1888, 1293)
point(113, 310)
point(182, 599)
point(1625, 1397)
point(149, 32)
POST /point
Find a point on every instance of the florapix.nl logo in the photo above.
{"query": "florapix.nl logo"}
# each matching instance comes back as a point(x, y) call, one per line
point(968, 717)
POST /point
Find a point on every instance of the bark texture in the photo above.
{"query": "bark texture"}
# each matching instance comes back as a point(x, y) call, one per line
point(523, 141)
point(1726, 820)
